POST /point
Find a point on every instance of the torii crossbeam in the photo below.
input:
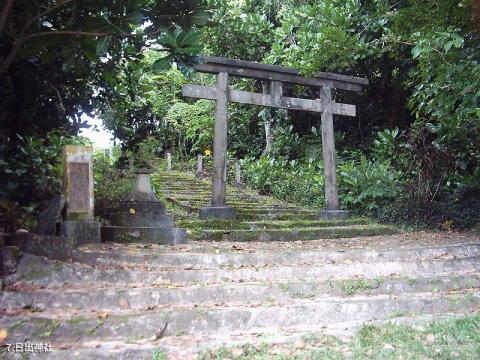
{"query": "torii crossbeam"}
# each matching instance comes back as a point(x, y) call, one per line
point(277, 76)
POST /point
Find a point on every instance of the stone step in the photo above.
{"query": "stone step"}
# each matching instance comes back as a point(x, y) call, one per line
point(235, 198)
point(243, 206)
point(252, 215)
point(67, 326)
point(311, 233)
point(142, 298)
point(256, 225)
point(240, 205)
point(163, 258)
point(34, 271)
point(191, 347)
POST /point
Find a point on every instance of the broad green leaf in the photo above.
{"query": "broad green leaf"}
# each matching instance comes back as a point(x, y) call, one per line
point(102, 45)
point(200, 17)
point(163, 64)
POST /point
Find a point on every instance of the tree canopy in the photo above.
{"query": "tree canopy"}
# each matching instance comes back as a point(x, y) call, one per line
point(418, 128)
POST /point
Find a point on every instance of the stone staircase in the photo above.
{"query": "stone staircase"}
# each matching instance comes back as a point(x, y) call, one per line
point(142, 301)
point(260, 218)
point(148, 301)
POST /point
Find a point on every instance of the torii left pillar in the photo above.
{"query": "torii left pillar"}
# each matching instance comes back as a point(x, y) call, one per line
point(219, 208)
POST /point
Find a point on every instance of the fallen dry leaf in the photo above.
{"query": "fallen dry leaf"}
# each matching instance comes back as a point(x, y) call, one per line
point(123, 303)
point(102, 315)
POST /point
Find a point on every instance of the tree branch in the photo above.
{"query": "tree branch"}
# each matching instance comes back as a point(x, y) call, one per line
point(42, 14)
point(5, 13)
point(22, 37)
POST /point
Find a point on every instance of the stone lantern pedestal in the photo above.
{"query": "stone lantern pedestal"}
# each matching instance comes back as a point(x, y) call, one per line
point(141, 217)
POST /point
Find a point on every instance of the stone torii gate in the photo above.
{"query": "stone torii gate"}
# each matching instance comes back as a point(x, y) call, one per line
point(277, 76)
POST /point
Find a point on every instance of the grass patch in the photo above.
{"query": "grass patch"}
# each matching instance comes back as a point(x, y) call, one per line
point(159, 355)
point(351, 287)
point(442, 339)
point(45, 327)
point(35, 274)
point(17, 325)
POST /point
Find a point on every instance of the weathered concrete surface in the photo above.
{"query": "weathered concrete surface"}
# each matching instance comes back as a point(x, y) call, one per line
point(54, 247)
point(80, 231)
point(217, 212)
point(50, 218)
point(108, 299)
point(137, 234)
point(143, 219)
point(130, 273)
point(113, 300)
point(240, 318)
point(164, 258)
point(335, 214)
point(9, 257)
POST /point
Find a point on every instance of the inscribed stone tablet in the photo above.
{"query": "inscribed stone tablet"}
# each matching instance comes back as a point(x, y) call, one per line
point(79, 200)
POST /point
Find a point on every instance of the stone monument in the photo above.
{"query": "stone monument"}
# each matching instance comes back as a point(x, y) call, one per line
point(78, 223)
point(141, 217)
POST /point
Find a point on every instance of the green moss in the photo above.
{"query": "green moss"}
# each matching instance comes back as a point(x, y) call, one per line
point(35, 274)
point(17, 325)
point(351, 287)
point(216, 224)
point(75, 321)
point(292, 234)
point(45, 328)
point(57, 266)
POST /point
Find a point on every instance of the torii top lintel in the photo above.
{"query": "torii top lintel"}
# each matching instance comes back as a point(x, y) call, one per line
point(250, 69)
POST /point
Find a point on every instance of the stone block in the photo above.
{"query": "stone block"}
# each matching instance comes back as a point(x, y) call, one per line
point(217, 212)
point(54, 247)
point(153, 235)
point(81, 232)
point(131, 219)
point(49, 218)
point(78, 182)
point(155, 207)
point(9, 256)
point(335, 214)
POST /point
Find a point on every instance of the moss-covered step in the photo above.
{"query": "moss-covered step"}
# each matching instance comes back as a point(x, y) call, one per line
point(249, 215)
point(193, 224)
point(249, 202)
point(293, 234)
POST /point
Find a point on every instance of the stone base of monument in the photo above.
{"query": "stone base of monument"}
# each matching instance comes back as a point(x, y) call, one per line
point(141, 217)
point(217, 212)
point(80, 231)
point(335, 214)
point(125, 234)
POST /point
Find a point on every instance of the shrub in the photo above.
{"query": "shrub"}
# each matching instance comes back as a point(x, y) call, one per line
point(31, 174)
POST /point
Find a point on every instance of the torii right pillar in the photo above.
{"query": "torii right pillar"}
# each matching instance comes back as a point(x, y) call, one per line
point(332, 210)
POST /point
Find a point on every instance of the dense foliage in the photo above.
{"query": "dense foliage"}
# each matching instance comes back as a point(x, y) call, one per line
point(56, 58)
point(413, 151)
point(421, 58)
